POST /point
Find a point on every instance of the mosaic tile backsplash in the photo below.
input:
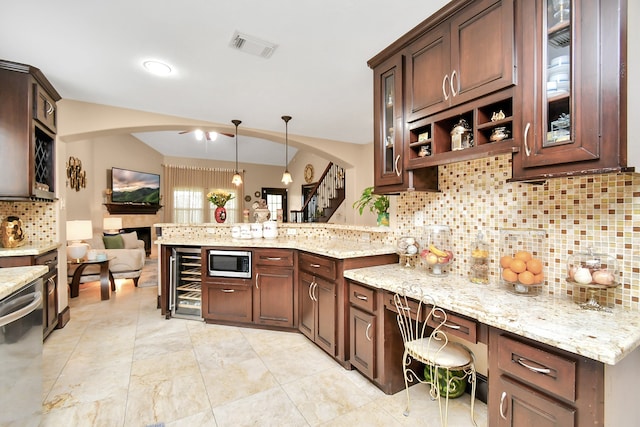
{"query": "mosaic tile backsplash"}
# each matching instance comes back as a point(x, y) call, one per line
point(601, 212)
point(38, 219)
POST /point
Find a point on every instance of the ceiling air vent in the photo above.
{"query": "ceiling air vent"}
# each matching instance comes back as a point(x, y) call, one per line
point(252, 45)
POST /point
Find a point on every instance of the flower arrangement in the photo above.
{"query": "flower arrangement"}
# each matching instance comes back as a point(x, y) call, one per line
point(219, 197)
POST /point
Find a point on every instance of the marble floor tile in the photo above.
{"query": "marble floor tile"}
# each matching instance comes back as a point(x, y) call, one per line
point(119, 363)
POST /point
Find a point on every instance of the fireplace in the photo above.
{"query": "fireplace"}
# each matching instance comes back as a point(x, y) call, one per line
point(144, 234)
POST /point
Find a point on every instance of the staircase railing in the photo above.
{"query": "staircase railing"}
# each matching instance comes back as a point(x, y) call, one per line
point(323, 199)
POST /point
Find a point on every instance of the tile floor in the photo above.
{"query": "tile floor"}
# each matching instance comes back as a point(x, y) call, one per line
point(120, 363)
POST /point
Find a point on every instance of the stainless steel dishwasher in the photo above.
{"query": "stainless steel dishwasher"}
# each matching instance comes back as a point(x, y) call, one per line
point(21, 356)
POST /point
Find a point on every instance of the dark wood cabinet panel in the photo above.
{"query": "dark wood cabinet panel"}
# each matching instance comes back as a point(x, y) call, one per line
point(227, 301)
point(522, 406)
point(307, 318)
point(578, 129)
point(27, 141)
point(273, 302)
point(533, 384)
point(326, 311)
point(362, 341)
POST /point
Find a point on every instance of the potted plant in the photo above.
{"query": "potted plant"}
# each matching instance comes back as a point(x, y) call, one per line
point(376, 203)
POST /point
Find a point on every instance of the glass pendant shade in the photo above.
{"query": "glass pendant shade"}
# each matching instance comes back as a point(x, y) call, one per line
point(237, 179)
point(286, 176)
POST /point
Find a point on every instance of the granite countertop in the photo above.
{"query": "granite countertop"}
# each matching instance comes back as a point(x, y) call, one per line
point(335, 248)
point(14, 278)
point(553, 320)
point(29, 249)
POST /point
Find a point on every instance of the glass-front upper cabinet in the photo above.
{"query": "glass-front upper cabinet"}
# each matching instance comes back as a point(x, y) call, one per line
point(571, 72)
point(388, 157)
point(558, 73)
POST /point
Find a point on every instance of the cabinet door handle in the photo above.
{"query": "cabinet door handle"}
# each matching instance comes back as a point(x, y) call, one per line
point(257, 275)
point(314, 266)
point(172, 283)
point(521, 361)
point(274, 258)
point(362, 297)
point(502, 400)
point(444, 87)
point(453, 91)
point(228, 291)
point(315, 286)
point(51, 285)
point(527, 150)
point(310, 288)
point(366, 332)
point(49, 106)
point(395, 165)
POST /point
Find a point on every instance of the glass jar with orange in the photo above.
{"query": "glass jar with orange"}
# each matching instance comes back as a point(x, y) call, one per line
point(521, 263)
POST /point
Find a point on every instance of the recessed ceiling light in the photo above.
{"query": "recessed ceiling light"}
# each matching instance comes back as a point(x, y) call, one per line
point(158, 68)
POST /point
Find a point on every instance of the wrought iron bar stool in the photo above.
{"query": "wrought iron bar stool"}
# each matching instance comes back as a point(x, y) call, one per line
point(421, 325)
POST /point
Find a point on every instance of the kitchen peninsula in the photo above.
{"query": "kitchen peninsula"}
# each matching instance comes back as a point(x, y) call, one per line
point(584, 362)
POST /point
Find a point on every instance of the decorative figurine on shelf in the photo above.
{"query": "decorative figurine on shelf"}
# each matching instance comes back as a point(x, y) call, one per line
point(12, 235)
point(261, 211)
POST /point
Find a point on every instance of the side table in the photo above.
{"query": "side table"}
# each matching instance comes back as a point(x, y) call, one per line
point(105, 276)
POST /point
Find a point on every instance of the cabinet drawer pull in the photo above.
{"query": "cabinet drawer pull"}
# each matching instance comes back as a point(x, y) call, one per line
point(314, 265)
point(527, 150)
point(446, 325)
point(453, 91)
point(395, 165)
point(502, 400)
point(521, 361)
point(444, 87)
point(274, 258)
point(366, 333)
point(228, 291)
point(362, 297)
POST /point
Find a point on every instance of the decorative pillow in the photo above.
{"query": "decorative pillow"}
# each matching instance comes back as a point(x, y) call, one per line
point(113, 242)
point(130, 240)
point(96, 241)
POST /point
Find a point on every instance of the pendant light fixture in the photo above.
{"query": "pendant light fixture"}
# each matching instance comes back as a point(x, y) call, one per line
point(237, 179)
point(286, 176)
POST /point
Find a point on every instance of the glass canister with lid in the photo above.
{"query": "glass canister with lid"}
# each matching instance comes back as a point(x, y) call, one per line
point(594, 272)
point(438, 254)
point(521, 264)
point(479, 270)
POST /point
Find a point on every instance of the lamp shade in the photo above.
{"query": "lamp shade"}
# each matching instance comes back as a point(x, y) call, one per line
point(79, 230)
point(112, 223)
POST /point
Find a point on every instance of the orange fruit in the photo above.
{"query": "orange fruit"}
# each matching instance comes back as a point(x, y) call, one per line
point(505, 261)
point(534, 265)
point(518, 266)
point(509, 275)
point(523, 255)
point(526, 278)
point(538, 278)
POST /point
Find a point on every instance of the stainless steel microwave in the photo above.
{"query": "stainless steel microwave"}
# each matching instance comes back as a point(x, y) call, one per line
point(229, 263)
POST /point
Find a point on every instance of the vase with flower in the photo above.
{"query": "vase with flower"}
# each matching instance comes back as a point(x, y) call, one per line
point(220, 198)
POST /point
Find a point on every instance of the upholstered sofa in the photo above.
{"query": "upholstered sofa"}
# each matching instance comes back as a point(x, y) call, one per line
point(128, 255)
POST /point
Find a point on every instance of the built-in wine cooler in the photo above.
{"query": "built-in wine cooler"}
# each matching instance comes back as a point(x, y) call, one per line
point(185, 295)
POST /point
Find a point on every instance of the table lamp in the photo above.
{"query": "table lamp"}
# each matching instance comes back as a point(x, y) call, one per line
point(77, 231)
point(112, 225)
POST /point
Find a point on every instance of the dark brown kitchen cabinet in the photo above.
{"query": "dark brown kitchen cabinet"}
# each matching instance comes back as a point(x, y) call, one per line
point(469, 55)
point(227, 300)
point(362, 329)
point(533, 384)
point(49, 286)
point(391, 174)
point(274, 294)
point(572, 88)
point(318, 311)
point(28, 117)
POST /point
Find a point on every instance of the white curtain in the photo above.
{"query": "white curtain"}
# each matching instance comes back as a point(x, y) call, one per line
point(186, 188)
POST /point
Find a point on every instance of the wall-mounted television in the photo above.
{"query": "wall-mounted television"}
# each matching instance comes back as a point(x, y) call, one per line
point(129, 186)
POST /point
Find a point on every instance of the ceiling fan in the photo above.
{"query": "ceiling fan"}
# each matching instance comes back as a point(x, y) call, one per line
point(209, 135)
